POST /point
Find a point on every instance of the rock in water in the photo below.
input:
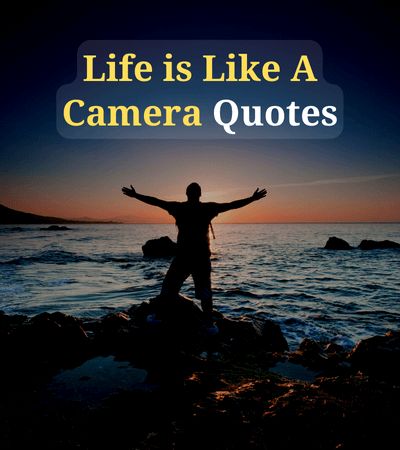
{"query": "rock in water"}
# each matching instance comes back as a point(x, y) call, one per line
point(335, 243)
point(159, 248)
point(271, 335)
point(56, 228)
point(367, 244)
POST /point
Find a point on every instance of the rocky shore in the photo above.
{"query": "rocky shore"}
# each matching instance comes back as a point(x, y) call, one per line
point(240, 389)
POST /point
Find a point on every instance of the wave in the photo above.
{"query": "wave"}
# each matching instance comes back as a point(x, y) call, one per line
point(66, 257)
point(48, 257)
point(241, 293)
point(8, 230)
point(83, 239)
point(303, 296)
point(383, 314)
point(117, 259)
point(244, 309)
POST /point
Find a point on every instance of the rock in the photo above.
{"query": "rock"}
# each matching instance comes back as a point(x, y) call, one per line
point(181, 322)
point(53, 336)
point(271, 335)
point(113, 330)
point(193, 397)
point(9, 324)
point(333, 348)
point(327, 358)
point(309, 354)
point(252, 334)
point(159, 248)
point(114, 321)
point(239, 334)
point(56, 228)
point(378, 355)
point(367, 244)
point(335, 243)
point(178, 316)
point(303, 418)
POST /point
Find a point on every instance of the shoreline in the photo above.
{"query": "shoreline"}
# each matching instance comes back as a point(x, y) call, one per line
point(242, 388)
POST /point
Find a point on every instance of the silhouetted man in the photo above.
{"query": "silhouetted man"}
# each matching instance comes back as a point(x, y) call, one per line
point(193, 219)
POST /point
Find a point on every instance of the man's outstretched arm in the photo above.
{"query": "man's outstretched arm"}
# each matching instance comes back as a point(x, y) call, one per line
point(154, 201)
point(257, 195)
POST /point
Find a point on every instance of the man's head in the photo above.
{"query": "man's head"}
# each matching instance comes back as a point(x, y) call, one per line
point(193, 192)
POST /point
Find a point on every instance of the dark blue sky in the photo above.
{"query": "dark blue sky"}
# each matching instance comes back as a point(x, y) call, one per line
point(43, 172)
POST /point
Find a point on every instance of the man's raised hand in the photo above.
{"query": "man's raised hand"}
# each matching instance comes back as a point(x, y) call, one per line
point(258, 195)
point(130, 192)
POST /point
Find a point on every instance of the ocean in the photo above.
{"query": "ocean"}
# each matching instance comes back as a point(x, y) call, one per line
point(276, 271)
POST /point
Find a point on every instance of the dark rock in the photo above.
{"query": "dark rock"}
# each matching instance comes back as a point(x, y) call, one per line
point(378, 355)
point(7, 322)
point(114, 321)
point(309, 354)
point(193, 398)
point(159, 248)
point(9, 325)
point(335, 243)
point(271, 335)
point(367, 244)
point(315, 418)
point(177, 323)
point(180, 322)
point(310, 347)
point(56, 228)
point(239, 333)
point(253, 334)
point(328, 358)
point(113, 332)
point(53, 336)
point(175, 311)
point(333, 348)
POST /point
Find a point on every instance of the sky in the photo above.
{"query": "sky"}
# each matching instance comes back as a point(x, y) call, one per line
point(355, 177)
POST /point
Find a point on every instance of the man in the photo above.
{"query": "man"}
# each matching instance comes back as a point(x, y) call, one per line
point(193, 219)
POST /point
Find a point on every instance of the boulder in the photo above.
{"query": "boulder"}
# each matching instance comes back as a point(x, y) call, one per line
point(181, 320)
point(309, 354)
point(165, 328)
point(55, 338)
point(159, 248)
point(335, 243)
point(113, 331)
point(9, 325)
point(378, 355)
point(271, 335)
point(368, 244)
point(175, 313)
point(56, 228)
point(253, 334)
point(328, 358)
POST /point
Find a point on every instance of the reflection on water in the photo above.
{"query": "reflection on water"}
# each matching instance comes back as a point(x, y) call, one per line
point(279, 271)
point(293, 371)
point(96, 380)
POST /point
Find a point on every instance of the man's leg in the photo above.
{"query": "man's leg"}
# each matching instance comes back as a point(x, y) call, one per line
point(202, 283)
point(175, 277)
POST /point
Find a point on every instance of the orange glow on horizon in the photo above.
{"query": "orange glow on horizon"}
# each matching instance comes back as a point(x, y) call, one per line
point(293, 195)
point(276, 208)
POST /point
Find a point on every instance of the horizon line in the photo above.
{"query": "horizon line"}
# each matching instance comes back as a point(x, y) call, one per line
point(267, 223)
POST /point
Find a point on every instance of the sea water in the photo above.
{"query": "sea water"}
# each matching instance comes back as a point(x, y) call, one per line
point(276, 271)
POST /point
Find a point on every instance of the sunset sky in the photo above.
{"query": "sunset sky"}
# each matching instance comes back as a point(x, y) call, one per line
point(355, 177)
